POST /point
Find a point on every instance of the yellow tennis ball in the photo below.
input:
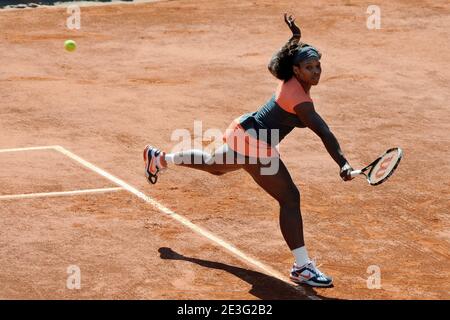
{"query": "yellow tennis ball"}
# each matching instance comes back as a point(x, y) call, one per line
point(70, 45)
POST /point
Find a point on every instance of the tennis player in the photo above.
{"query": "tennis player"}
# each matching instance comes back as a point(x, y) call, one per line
point(251, 140)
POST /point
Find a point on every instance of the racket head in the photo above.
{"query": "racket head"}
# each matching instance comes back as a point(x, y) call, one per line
point(384, 166)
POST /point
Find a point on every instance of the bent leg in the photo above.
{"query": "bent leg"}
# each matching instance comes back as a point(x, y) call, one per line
point(281, 187)
point(223, 160)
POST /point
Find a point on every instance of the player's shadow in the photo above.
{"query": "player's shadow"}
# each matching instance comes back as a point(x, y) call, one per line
point(264, 286)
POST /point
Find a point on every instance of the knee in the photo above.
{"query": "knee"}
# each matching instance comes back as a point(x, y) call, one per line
point(291, 199)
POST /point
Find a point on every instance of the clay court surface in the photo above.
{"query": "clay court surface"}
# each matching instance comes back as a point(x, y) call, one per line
point(141, 71)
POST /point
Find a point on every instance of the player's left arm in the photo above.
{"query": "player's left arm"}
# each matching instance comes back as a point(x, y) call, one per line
point(308, 115)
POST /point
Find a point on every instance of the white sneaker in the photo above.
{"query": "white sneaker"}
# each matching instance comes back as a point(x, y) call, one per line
point(311, 275)
point(152, 169)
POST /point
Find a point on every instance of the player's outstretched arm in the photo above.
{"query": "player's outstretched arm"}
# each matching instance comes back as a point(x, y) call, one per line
point(308, 115)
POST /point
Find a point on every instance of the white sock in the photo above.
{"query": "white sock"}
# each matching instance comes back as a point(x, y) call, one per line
point(301, 256)
point(181, 157)
point(170, 158)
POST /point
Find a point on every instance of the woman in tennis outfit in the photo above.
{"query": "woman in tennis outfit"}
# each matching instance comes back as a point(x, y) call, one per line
point(251, 140)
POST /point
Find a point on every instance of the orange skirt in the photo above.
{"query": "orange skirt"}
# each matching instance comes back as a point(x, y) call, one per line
point(243, 143)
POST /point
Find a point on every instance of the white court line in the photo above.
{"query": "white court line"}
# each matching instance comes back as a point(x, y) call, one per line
point(199, 230)
point(58, 194)
point(28, 149)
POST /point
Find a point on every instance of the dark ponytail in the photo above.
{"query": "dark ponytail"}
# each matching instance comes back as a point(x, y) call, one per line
point(280, 66)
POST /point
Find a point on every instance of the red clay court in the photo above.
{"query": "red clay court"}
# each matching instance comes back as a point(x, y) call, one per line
point(73, 127)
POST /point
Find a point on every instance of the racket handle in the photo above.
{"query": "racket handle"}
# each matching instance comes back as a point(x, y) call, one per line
point(355, 173)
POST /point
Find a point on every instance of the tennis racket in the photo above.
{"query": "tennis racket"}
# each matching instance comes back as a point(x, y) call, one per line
point(382, 168)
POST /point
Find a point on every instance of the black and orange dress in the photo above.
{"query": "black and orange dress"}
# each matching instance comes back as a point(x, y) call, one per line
point(258, 134)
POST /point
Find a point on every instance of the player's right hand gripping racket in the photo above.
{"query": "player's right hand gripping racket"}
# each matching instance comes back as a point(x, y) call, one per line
point(382, 168)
